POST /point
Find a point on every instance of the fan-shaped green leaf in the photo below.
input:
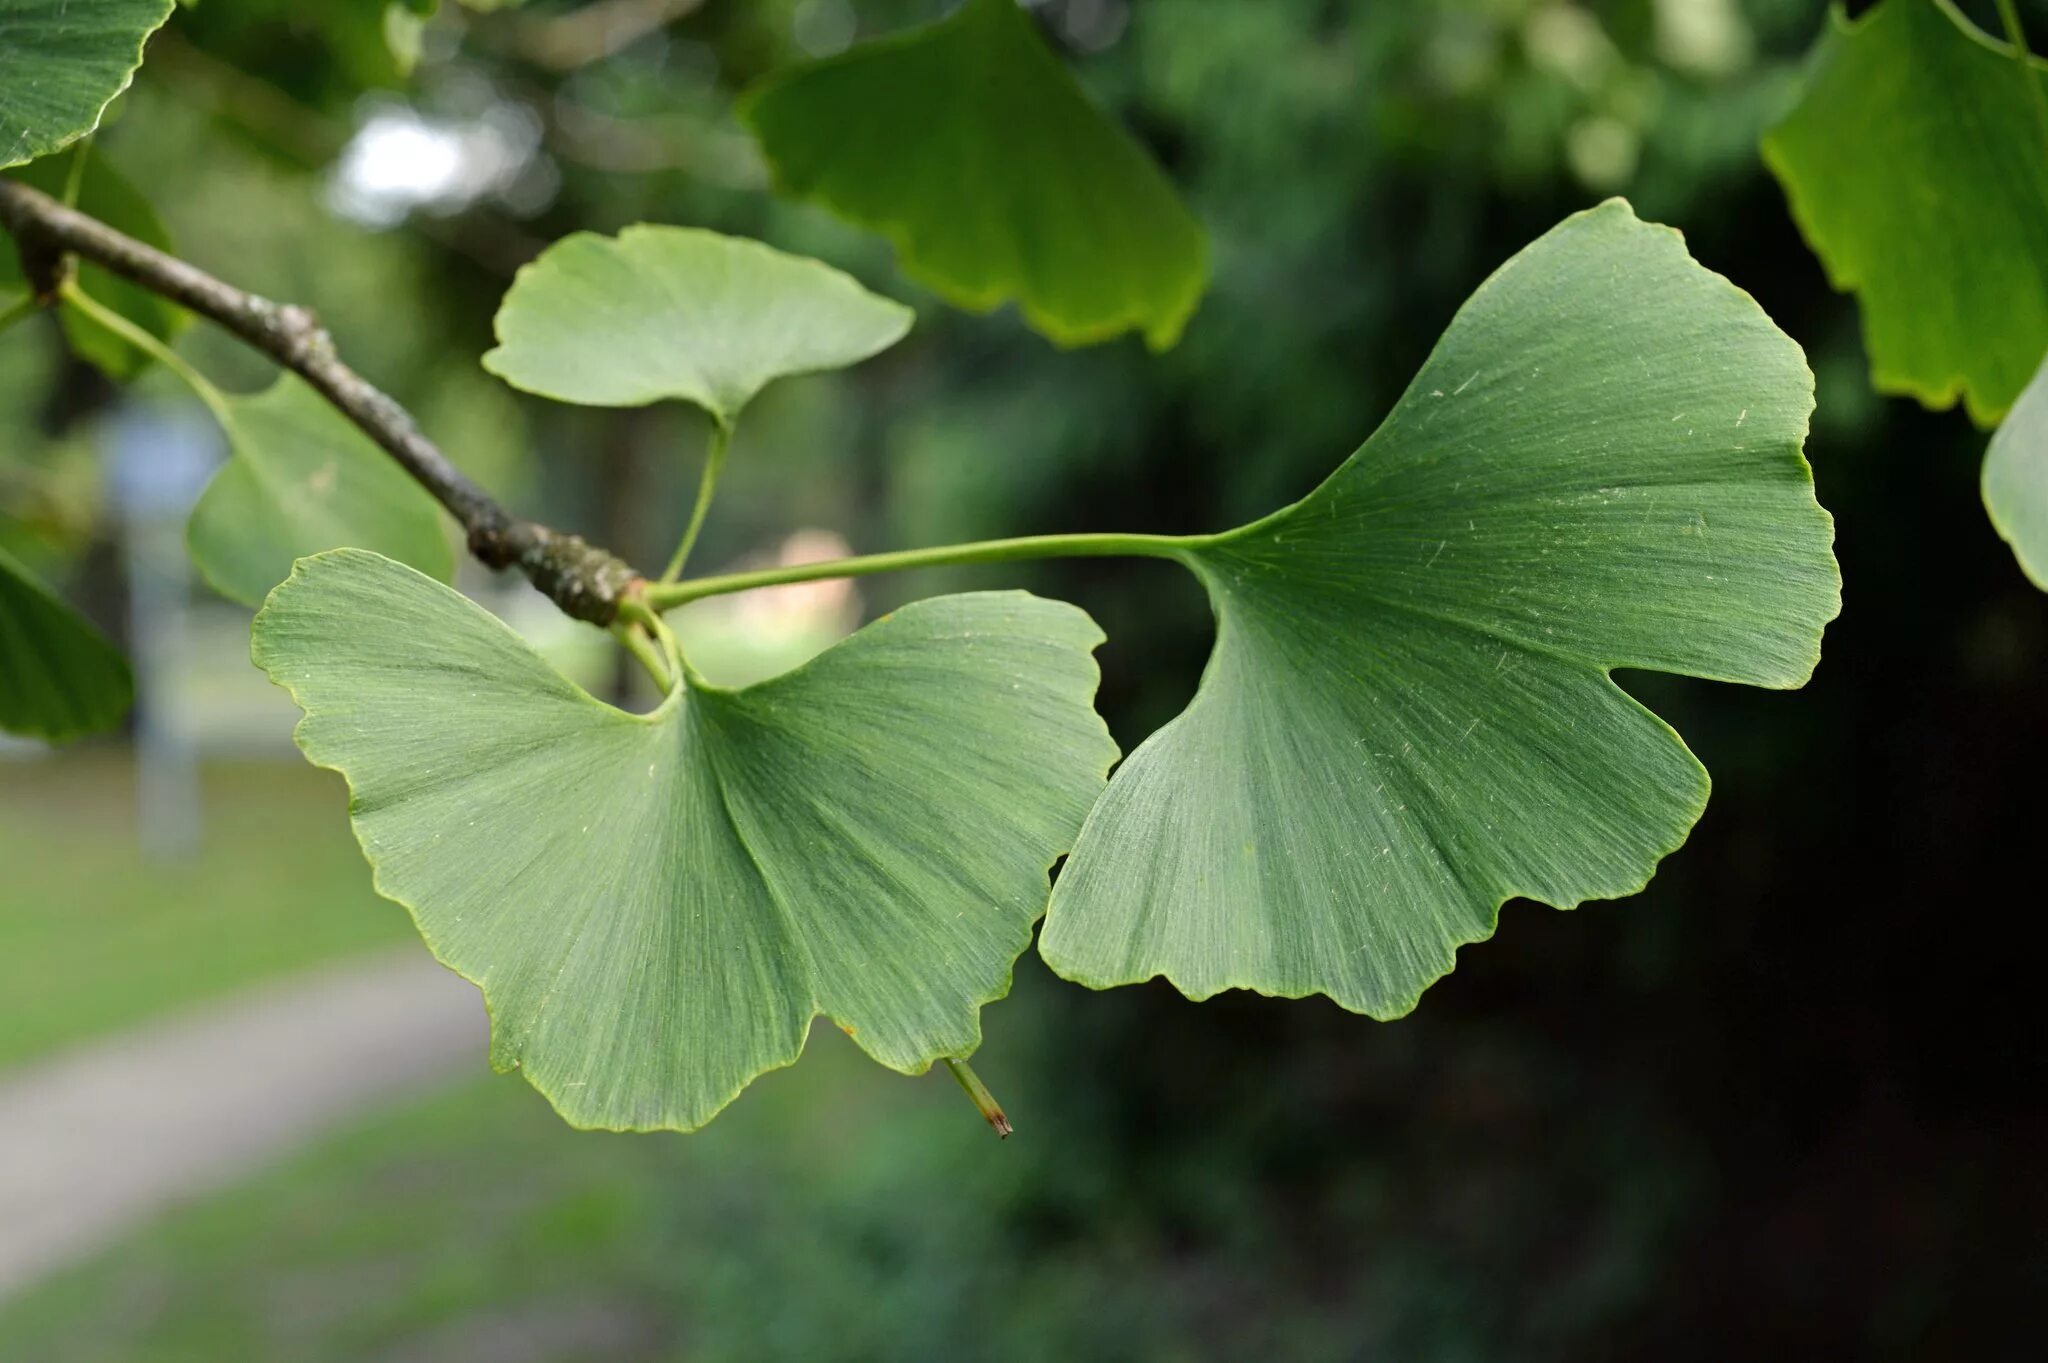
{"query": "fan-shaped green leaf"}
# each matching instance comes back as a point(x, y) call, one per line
point(61, 63)
point(678, 312)
point(59, 678)
point(106, 194)
point(303, 478)
point(2016, 479)
point(1408, 717)
point(656, 906)
point(970, 146)
point(1916, 166)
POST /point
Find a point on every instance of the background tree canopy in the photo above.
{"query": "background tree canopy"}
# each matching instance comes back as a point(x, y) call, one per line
point(1780, 1104)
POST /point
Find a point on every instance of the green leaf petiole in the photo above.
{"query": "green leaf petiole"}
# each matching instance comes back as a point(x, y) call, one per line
point(635, 641)
point(139, 337)
point(984, 1101)
point(669, 595)
point(707, 487)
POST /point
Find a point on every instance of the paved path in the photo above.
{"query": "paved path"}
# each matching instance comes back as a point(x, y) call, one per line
point(98, 1139)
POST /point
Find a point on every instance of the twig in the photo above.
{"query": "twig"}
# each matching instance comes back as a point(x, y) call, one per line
point(586, 582)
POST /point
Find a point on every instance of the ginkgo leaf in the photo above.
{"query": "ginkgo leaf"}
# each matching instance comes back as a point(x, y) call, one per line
point(657, 906)
point(61, 63)
point(303, 478)
point(2016, 479)
point(679, 312)
point(1916, 164)
point(106, 194)
point(59, 677)
point(971, 147)
point(1408, 717)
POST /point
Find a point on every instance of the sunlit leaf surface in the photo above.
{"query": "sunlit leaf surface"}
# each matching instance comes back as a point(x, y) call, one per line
point(676, 312)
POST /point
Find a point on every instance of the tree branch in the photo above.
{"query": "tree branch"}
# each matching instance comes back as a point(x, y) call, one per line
point(585, 581)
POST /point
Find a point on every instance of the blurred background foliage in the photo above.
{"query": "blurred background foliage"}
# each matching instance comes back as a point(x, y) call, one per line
point(1787, 1103)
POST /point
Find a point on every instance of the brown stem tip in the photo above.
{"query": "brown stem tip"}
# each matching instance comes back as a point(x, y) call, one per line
point(984, 1101)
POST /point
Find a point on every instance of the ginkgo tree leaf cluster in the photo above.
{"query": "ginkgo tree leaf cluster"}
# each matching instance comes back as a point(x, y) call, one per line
point(1090, 241)
point(1408, 716)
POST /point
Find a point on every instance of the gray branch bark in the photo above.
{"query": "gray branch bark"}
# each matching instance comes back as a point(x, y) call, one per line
point(585, 581)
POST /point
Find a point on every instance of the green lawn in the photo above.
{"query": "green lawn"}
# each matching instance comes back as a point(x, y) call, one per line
point(94, 937)
point(835, 1212)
